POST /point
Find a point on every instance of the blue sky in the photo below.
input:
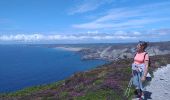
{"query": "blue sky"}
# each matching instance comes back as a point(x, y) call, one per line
point(84, 21)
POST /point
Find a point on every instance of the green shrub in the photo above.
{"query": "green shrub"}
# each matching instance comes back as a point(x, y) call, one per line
point(99, 95)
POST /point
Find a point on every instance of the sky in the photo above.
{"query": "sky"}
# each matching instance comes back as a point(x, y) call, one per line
point(84, 21)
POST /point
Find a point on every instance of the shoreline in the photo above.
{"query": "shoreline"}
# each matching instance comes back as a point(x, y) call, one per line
point(96, 78)
point(76, 49)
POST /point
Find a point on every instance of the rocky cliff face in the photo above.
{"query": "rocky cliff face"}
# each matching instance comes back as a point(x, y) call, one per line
point(120, 51)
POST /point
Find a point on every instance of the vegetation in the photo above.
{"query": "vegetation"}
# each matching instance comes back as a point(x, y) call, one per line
point(106, 82)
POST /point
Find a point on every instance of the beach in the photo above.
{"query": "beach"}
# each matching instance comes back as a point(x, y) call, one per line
point(70, 48)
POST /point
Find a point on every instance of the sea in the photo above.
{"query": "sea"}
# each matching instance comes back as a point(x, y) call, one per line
point(23, 66)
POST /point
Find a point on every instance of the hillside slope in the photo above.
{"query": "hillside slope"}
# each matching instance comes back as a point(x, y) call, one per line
point(119, 51)
point(106, 82)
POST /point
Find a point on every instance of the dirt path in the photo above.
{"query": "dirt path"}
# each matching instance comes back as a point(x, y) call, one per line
point(160, 85)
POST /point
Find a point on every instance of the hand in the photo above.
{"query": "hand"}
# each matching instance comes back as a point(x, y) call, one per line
point(143, 78)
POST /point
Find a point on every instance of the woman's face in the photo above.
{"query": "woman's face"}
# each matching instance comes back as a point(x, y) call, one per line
point(140, 47)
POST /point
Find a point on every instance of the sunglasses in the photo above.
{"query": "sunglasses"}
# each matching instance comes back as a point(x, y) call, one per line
point(141, 43)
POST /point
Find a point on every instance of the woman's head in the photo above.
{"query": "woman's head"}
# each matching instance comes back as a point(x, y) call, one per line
point(142, 45)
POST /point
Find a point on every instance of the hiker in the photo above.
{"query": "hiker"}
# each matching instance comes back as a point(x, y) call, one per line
point(140, 68)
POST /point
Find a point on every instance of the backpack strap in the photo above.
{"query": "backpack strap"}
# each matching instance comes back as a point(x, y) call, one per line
point(134, 56)
point(144, 56)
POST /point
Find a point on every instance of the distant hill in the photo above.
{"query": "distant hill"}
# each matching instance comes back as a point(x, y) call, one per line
point(114, 51)
point(120, 51)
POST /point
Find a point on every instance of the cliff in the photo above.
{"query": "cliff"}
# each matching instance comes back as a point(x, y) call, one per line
point(120, 51)
point(111, 51)
point(106, 82)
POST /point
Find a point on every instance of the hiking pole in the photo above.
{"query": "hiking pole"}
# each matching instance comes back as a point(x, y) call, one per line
point(128, 88)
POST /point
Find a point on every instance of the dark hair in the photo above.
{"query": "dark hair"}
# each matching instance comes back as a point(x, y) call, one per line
point(143, 43)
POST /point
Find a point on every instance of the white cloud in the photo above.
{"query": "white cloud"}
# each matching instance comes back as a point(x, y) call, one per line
point(93, 32)
point(41, 37)
point(136, 33)
point(125, 18)
point(132, 23)
point(162, 31)
point(88, 5)
point(120, 33)
point(117, 35)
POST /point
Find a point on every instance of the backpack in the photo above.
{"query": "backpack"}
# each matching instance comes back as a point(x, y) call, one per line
point(149, 62)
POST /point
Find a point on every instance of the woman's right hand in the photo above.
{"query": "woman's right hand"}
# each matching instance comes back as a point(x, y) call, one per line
point(143, 78)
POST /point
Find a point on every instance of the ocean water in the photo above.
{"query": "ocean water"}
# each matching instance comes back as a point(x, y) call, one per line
point(23, 66)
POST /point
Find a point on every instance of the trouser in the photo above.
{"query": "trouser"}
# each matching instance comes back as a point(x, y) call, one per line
point(137, 75)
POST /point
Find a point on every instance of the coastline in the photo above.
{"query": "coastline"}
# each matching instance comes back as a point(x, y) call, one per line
point(76, 49)
point(107, 81)
point(53, 69)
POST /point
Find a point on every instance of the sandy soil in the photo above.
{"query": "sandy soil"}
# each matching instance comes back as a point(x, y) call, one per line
point(71, 48)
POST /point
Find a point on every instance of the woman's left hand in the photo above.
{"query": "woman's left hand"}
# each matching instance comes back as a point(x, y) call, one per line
point(143, 78)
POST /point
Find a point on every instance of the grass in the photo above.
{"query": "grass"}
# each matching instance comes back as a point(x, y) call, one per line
point(97, 82)
point(30, 90)
point(64, 94)
point(90, 85)
point(80, 87)
point(99, 95)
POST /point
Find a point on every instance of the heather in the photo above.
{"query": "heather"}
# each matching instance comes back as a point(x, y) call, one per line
point(105, 82)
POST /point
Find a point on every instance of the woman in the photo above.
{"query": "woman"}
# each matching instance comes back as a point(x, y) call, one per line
point(140, 68)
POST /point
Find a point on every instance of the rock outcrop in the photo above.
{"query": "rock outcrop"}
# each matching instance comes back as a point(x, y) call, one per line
point(120, 51)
